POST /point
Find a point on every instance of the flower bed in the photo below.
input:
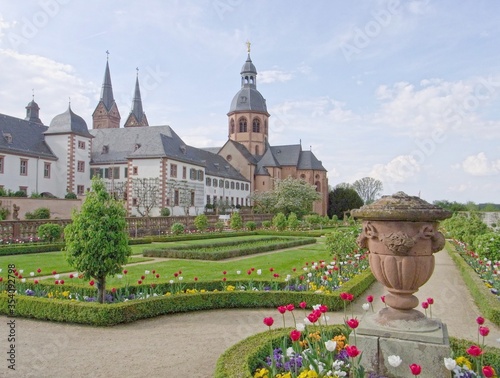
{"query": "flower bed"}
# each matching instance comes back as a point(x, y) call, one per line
point(65, 309)
point(228, 249)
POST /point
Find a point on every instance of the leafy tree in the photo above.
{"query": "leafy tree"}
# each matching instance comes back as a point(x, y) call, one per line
point(293, 221)
point(488, 246)
point(289, 195)
point(97, 239)
point(201, 222)
point(450, 206)
point(251, 225)
point(465, 227)
point(313, 220)
point(40, 213)
point(279, 221)
point(368, 189)
point(49, 232)
point(267, 224)
point(342, 200)
point(219, 225)
point(236, 222)
point(341, 243)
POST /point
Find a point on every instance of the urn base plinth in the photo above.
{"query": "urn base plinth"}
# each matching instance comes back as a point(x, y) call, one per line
point(403, 320)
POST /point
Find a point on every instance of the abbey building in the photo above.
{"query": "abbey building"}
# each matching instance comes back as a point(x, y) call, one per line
point(150, 167)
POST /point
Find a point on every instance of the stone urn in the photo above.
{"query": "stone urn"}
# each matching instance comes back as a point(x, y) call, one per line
point(401, 234)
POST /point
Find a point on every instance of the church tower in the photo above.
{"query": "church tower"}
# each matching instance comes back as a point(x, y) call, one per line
point(137, 117)
point(106, 114)
point(248, 117)
point(33, 112)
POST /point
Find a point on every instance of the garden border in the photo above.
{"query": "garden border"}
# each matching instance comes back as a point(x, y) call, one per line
point(112, 314)
point(487, 304)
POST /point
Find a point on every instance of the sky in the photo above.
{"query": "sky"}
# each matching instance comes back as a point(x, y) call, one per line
point(407, 92)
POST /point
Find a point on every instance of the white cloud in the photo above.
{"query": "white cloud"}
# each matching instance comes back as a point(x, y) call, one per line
point(480, 165)
point(400, 169)
point(271, 76)
point(436, 104)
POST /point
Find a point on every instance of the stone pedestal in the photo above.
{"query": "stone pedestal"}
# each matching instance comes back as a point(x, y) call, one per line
point(426, 344)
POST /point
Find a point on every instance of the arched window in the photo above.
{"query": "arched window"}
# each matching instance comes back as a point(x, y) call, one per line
point(232, 126)
point(256, 125)
point(318, 186)
point(243, 125)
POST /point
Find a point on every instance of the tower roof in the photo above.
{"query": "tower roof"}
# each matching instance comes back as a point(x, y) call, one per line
point(248, 67)
point(68, 122)
point(32, 112)
point(137, 102)
point(107, 89)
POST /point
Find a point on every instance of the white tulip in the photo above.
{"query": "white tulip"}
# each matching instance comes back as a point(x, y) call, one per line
point(366, 306)
point(300, 327)
point(259, 272)
point(56, 276)
point(331, 345)
point(290, 352)
point(450, 363)
point(394, 361)
point(32, 274)
point(21, 271)
point(146, 272)
point(238, 272)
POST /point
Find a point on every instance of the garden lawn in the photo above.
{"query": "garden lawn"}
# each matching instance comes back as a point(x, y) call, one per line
point(47, 262)
point(282, 262)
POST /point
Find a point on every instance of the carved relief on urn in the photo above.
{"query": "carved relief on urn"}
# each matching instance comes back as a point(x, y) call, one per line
point(401, 234)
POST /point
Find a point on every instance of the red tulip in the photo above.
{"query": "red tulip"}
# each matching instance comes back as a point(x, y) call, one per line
point(143, 277)
point(71, 275)
point(125, 271)
point(271, 269)
point(425, 305)
point(224, 272)
point(302, 305)
point(430, 301)
point(353, 323)
point(36, 281)
point(474, 351)
point(488, 371)
point(369, 298)
point(352, 351)
point(249, 272)
point(16, 274)
point(180, 271)
point(323, 309)
point(1, 279)
point(314, 316)
point(139, 282)
point(268, 321)
point(415, 369)
point(196, 278)
point(153, 271)
point(282, 309)
point(54, 272)
point(480, 320)
point(252, 269)
point(113, 290)
point(61, 282)
point(382, 298)
point(38, 270)
point(56, 282)
point(484, 331)
point(295, 335)
point(343, 296)
point(224, 279)
point(157, 275)
point(290, 307)
point(91, 283)
point(176, 274)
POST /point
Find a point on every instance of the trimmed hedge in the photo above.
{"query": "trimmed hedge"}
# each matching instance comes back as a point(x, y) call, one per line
point(243, 358)
point(28, 248)
point(191, 252)
point(485, 301)
point(110, 314)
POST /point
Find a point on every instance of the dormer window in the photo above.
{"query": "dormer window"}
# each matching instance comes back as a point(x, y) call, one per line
point(183, 149)
point(105, 149)
point(137, 146)
point(8, 137)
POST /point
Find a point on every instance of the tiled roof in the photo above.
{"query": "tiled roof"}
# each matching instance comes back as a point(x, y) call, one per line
point(23, 137)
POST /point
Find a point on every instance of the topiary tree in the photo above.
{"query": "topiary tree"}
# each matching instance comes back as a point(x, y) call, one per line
point(279, 221)
point(219, 225)
point(267, 224)
point(201, 222)
point(177, 228)
point(97, 239)
point(70, 195)
point(49, 232)
point(293, 222)
point(165, 212)
point(236, 223)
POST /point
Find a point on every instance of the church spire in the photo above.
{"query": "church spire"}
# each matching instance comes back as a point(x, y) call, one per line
point(106, 114)
point(137, 117)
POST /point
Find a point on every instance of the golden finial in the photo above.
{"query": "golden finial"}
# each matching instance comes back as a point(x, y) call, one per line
point(248, 46)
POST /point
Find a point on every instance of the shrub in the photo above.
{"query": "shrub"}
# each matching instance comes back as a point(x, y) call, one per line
point(488, 246)
point(251, 225)
point(219, 225)
point(177, 228)
point(201, 222)
point(165, 212)
point(267, 224)
point(4, 213)
point(40, 213)
point(465, 227)
point(313, 220)
point(236, 222)
point(279, 221)
point(50, 232)
point(293, 221)
point(20, 193)
point(70, 195)
point(35, 195)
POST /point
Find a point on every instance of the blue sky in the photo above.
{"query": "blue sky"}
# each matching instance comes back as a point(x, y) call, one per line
point(404, 91)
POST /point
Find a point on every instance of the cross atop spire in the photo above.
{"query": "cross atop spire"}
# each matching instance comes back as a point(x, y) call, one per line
point(107, 54)
point(248, 46)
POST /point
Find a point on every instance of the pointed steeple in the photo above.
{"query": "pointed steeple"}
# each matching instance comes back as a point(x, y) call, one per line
point(107, 89)
point(137, 117)
point(106, 114)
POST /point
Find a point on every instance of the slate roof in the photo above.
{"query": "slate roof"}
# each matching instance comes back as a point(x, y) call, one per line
point(309, 161)
point(137, 102)
point(287, 154)
point(117, 145)
point(68, 122)
point(107, 89)
point(26, 138)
